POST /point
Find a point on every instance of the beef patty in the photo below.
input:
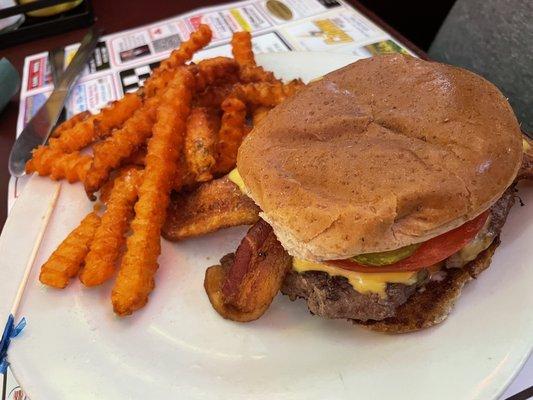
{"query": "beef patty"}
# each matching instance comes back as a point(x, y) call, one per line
point(334, 297)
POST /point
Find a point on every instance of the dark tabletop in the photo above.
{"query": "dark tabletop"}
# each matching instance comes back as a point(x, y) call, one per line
point(112, 16)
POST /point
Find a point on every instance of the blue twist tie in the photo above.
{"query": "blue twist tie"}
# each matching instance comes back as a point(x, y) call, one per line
point(10, 331)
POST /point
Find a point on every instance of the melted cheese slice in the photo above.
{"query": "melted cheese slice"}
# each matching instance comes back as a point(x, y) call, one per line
point(235, 177)
point(363, 282)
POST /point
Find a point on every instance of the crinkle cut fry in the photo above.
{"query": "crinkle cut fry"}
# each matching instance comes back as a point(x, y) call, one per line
point(165, 72)
point(135, 278)
point(265, 93)
point(241, 48)
point(110, 153)
point(198, 39)
point(110, 234)
point(70, 123)
point(216, 70)
point(233, 128)
point(137, 158)
point(107, 188)
point(96, 126)
point(200, 141)
point(213, 96)
point(256, 73)
point(66, 261)
point(58, 165)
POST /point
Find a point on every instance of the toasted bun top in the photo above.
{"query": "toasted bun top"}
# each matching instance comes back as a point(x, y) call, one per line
point(383, 153)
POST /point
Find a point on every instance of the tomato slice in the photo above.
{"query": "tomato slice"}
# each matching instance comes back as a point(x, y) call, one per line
point(429, 253)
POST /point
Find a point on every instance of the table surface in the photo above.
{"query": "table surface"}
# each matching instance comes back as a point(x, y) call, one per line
point(107, 14)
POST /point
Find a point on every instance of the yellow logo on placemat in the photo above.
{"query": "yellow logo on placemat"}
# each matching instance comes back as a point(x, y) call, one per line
point(240, 20)
point(331, 32)
point(279, 9)
point(385, 47)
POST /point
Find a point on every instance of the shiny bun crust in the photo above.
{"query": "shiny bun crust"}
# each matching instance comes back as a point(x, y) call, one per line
point(386, 152)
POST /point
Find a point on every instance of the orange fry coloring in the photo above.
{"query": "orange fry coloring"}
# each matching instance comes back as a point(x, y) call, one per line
point(96, 126)
point(135, 279)
point(58, 165)
point(66, 261)
point(125, 141)
point(109, 237)
point(232, 130)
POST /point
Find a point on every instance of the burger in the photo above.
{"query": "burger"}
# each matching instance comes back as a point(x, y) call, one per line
point(382, 187)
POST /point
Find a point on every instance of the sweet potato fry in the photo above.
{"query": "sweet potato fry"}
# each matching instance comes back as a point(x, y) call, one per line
point(110, 234)
point(58, 165)
point(241, 48)
point(265, 93)
point(107, 188)
point(123, 143)
point(233, 129)
point(135, 279)
point(96, 126)
point(212, 206)
point(200, 140)
point(242, 288)
point(67, 259)
point(165, 72)
point(256, 73)
point(138, 158)
point(216, 71)
point(198, 39)
point(213, 96)
point(70, 123)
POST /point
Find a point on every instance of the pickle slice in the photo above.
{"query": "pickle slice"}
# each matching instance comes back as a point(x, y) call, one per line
point(386, 257)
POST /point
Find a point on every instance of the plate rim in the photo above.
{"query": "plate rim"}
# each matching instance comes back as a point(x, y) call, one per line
point(32, 390)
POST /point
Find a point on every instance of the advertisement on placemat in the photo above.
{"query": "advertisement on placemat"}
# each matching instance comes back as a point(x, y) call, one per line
point(92, 95)
point(38, 72)
point(331, 30)
point(164, 37)
point(283, 11)
point(32, 105)
point(385, 47)
point(133, 78)
point(99, 61)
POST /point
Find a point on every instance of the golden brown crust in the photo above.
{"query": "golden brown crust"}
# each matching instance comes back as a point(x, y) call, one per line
point(432, 306)
point(385, 152)
point(212, 206)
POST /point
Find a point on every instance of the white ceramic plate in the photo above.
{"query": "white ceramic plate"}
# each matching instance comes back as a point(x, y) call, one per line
point(178, 347)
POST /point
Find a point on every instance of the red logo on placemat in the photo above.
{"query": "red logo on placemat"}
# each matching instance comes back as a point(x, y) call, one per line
point(195, 21)
point(36, 73)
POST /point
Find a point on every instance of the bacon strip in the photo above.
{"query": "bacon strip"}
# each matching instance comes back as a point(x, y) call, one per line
point(243, 287)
